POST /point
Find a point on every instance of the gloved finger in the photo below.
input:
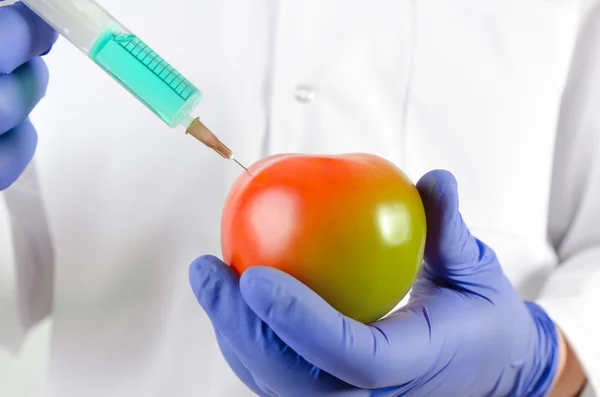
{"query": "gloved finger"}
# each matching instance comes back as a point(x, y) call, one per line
point(23, 36)
point(20, 92)
point(451, 252)
point(16, 151)
point(238, 368)
point(258, 348)
point(366, 356)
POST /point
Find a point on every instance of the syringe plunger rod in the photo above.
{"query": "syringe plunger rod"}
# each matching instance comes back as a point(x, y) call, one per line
point(199, 131)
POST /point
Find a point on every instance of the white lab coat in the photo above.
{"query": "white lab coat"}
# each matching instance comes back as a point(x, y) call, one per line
point(101, 229)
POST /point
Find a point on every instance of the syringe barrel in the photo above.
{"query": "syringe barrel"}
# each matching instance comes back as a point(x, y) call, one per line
point(79, 21)
point(121, 54)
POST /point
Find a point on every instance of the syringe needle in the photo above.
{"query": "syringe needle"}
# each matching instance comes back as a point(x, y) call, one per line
point(198, 130)
point(240, 164)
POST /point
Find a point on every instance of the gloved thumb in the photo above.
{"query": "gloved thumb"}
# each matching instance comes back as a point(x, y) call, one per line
point(451, 252)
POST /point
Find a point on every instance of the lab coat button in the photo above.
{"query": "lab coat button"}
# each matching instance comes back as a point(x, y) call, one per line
point(304, 94)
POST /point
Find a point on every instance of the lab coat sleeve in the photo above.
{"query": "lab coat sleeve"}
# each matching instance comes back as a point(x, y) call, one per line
point(571, 294)
point(26, 260)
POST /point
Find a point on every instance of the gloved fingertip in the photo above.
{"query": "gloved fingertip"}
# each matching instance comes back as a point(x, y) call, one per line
point(202, 260)
point(202, 272)
point(256, 282)
point(53, 40)
point(17, 148)
point(263, 289)
point(438, 188)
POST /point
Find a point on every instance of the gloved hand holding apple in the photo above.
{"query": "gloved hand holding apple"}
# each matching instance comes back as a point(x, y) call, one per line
point(318, 249)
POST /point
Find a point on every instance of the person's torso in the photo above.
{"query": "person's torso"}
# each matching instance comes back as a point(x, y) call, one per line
point(466, 86)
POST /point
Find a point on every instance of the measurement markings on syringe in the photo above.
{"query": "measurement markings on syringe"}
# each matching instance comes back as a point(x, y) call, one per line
point(153, 62)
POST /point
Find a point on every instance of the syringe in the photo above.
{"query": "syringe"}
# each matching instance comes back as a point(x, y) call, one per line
point(131, 63)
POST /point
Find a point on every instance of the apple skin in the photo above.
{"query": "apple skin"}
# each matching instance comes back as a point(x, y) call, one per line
point(351, 227)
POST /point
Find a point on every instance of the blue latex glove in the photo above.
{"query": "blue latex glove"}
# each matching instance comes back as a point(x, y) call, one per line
point(465, 331)
point(23, 79)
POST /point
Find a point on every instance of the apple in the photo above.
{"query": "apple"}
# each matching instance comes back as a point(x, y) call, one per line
point(351, 227)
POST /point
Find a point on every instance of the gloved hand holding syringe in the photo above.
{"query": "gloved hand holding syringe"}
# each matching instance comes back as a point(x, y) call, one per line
point(130, 62)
